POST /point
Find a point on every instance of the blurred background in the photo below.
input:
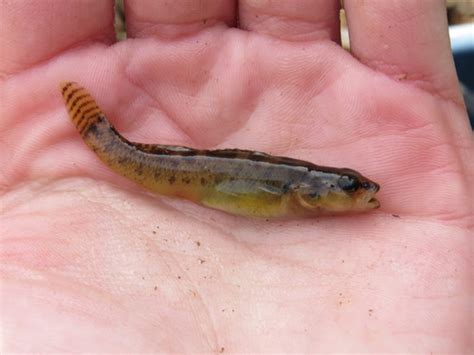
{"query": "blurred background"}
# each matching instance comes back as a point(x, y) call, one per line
point(460, 14)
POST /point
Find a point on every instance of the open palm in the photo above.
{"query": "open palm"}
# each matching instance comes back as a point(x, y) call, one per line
point(91, 262)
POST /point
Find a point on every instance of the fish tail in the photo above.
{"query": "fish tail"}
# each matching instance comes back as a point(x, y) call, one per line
point(82, 108)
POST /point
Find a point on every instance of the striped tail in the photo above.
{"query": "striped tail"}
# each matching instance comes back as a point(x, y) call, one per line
point(82, 108)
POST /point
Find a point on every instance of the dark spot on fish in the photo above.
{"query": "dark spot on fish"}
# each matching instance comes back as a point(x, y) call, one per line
point(75, 114)
point(77, 99)
point(395, 215)
point(71, 94)
point(186, 180)
point(66, 87)
point(157, 174)
point(203, 181)
point(172, 179)
point(92, 129)
point(90, 110)
point(139, 169)
point(85, 103)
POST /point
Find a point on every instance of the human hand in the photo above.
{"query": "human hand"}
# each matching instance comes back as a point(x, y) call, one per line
point(90, 262)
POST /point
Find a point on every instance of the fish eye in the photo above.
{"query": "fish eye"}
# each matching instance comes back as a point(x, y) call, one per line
point(348, 183)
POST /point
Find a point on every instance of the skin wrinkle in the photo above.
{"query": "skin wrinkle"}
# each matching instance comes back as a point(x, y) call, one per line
point(211, 332)
point(462, 172)
point(6, 75)
point(189, 139)
point(418, 80)
point(64, 303)
point(183, 271)
point(319, 31)
point(202, 21)
point(290, 23)
point(156, 105)
point(183, 288)
point(385, 41)
point(167, 32)
point(173, 20)
point(49, 32)
point(123, 220)
point(281, 260)
point(333, 76)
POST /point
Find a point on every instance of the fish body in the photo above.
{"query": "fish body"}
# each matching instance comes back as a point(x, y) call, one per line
point(237, 181)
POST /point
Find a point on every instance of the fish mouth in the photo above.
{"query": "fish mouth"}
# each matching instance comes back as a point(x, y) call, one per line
point(373, 203)
point(370, 201)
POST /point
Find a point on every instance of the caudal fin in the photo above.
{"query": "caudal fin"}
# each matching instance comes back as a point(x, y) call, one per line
point(82, 108)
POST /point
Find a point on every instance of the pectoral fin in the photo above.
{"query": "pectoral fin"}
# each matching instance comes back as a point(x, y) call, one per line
point(248, 198)
point(242, 188)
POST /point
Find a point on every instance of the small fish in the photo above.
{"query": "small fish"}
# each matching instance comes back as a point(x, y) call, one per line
point(237, 181)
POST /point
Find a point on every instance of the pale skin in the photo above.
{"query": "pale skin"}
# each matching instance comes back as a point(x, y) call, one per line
point(91, 262)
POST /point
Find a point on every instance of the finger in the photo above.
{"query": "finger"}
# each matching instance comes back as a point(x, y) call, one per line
point(291, 20)
point(407, 40)
point(162, 18)
point(34, 31)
